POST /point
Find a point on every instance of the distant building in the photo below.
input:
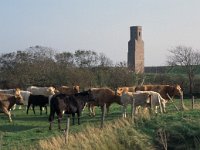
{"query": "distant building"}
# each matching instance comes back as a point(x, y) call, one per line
point(136, 50)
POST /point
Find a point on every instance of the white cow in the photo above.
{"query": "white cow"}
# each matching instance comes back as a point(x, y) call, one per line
point(46, 91)
point(156, 101)
point(137, 99)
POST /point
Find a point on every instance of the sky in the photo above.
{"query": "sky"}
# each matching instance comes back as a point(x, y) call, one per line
point(102, 26)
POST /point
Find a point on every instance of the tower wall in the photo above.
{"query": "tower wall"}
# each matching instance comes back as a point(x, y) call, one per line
point(136, 50)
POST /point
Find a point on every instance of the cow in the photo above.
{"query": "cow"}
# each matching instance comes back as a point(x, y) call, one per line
point(69, 90)
point(10, 91)
point(103, 96)
point(38, 100)
point(46, 91)
point(8, 100)
point(137, 99)
point(69, 104)
point(163, 90)
point(156, 101)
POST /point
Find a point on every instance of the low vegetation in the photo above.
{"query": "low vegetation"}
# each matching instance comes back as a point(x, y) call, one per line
point(173, 130)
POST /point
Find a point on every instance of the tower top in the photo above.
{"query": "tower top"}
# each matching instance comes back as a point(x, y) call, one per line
point(136, 32)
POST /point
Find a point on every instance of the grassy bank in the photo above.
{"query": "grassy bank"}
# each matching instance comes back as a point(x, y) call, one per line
point(173, 130)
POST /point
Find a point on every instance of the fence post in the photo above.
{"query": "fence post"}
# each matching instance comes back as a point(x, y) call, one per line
point(192, 102)
point(133, 110)
point(103, 115)
point(67, 130)
point(182, 105)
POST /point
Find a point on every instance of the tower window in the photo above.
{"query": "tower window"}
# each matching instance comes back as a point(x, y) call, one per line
point(139, 33)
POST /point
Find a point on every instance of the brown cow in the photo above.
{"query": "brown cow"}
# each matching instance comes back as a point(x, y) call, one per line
point(103, 96)
point(163, 90)
point(7, 101)
point(69, 90)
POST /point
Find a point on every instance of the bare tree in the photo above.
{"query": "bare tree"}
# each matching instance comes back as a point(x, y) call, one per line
point(188, 58)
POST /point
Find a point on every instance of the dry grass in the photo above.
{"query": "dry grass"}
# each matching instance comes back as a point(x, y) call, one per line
point(119, 134)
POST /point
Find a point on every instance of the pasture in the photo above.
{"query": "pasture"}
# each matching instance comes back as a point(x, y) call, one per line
point(31, 131)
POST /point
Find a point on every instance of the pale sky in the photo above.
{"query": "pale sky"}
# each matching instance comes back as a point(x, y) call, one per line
point(100, 26)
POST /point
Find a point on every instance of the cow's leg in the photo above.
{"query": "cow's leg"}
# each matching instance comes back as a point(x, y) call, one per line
point(51, 118)
point(59, 120)
point(107, 108)
point(20, 107)
point(122, 109)
point(125, 111)
point(6, 112)
point(73, 118)
point(78, 115)
point(33, 107)
point(86, 104)
point(163, 107)
point(160, 105)
point(14, 107)
point(136, 109)
point(46, 109)
point(89, 109)
point(27, 108)
point(93, 110)
point(40, 110)
point(156, 109)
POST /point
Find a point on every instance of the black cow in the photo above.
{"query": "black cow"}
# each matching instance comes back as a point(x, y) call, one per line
point(70, 104)
point(37, 100)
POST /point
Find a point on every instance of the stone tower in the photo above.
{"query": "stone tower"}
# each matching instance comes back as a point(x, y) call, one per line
point(136, 50)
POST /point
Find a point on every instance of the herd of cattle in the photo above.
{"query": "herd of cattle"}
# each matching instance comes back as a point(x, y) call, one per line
point(70, 100)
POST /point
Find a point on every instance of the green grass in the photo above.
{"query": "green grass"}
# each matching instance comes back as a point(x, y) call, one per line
point(26, 131)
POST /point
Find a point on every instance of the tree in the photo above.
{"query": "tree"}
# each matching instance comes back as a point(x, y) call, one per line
point(188, 58)
point(86, 58)
point(65, 58)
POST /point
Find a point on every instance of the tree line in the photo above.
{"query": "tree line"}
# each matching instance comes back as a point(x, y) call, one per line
point(43, 66)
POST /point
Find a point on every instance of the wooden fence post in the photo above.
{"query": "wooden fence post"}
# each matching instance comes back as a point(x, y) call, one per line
point(133, 110)
point(182, 104)
point(192, 102)
point(103, 115)
point(67, 130)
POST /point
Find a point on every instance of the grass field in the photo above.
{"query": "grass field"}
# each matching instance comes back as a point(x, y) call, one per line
point(29, 131)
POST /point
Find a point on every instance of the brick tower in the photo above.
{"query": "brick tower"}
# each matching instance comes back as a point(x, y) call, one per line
point(136, 50)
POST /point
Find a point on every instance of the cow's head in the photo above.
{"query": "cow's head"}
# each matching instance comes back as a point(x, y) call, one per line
point(76, 89)
point(18, 97)
point(177, 90)
point(51, 90)
point(121, 90)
